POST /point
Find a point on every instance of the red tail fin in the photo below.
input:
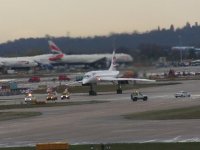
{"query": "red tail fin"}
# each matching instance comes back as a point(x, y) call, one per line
point(54, 48)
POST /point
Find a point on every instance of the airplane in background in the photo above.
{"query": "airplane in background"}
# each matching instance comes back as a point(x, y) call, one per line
point(87, 59)
point(17, 62)
point(185, 48)
point(29, 61)
point(91, 78)
point(57, 57)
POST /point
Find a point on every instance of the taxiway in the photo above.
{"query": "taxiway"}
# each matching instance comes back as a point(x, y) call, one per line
point(104, 122)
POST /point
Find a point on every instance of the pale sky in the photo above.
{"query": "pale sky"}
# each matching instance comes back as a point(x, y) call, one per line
point(36, 18)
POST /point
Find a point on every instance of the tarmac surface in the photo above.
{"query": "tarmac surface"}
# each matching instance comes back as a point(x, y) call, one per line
point(104, 122)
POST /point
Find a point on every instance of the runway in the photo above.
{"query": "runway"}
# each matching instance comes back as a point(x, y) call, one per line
point(104, 122)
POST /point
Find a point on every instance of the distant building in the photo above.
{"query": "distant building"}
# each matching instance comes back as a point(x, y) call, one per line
point(9, 87)
point(162, 60)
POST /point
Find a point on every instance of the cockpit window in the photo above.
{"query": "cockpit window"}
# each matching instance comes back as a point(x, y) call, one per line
point(86, 76)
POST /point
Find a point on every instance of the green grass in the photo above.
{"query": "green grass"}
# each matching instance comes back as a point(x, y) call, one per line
point(131, 146)
point(18, 148)
point(19, 106)
point(105, 88)
point(17, 115)
point(170, 114)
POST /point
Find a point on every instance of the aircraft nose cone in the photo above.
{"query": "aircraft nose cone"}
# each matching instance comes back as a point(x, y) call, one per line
point(84, 81)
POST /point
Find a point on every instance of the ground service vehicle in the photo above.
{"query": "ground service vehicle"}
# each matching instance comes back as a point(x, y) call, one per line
point(29, 98)
point(51, 96)
point(34, 79)
point(138, 95)
point(65, 96)
point(63, 78)
point(182, 94)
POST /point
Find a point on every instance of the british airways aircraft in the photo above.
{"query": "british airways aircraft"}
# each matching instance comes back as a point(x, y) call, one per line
point(92, 78)
point(57, 57)
point(29, 61)
point(87, 58)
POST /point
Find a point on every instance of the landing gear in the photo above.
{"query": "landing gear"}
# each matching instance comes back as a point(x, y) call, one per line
point(92, 93)
point(92, 90)
point(119, 88)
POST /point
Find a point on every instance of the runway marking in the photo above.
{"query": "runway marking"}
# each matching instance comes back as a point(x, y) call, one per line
point(18, 144)
point(174, 140)
point(195, 95)
point(162, 96)
point(191, 140)
point(149, 141)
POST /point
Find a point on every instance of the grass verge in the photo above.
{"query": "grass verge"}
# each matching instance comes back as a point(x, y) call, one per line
point(131, 146)
point(17, 115)
point(19, 106)
point(170, 114)
point(105, 88)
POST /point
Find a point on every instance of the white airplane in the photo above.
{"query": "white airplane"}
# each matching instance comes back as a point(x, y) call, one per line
point(182, 47)
point(30, 61)
point(17, 62)
point(49, 60)
point(87, 58)
point(27, 61)
point(91, 78)
point(185, 48)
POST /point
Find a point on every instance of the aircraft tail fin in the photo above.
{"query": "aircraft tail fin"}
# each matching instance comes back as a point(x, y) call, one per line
point(113, 62)
point(54, 48)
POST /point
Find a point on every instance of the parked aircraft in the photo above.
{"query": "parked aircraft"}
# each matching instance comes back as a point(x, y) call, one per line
point(182, 47)
point(29, 61)
point(185, 48)
point(91, 78)
point(17, 62)
point(87, 59)
point(56, 58)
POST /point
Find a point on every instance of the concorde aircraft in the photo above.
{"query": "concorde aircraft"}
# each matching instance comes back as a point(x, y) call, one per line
point(91, 78)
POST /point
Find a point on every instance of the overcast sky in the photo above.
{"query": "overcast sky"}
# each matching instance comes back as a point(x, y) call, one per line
point(36, 18)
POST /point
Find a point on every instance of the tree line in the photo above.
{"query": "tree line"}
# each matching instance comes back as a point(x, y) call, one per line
point(147, 46)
